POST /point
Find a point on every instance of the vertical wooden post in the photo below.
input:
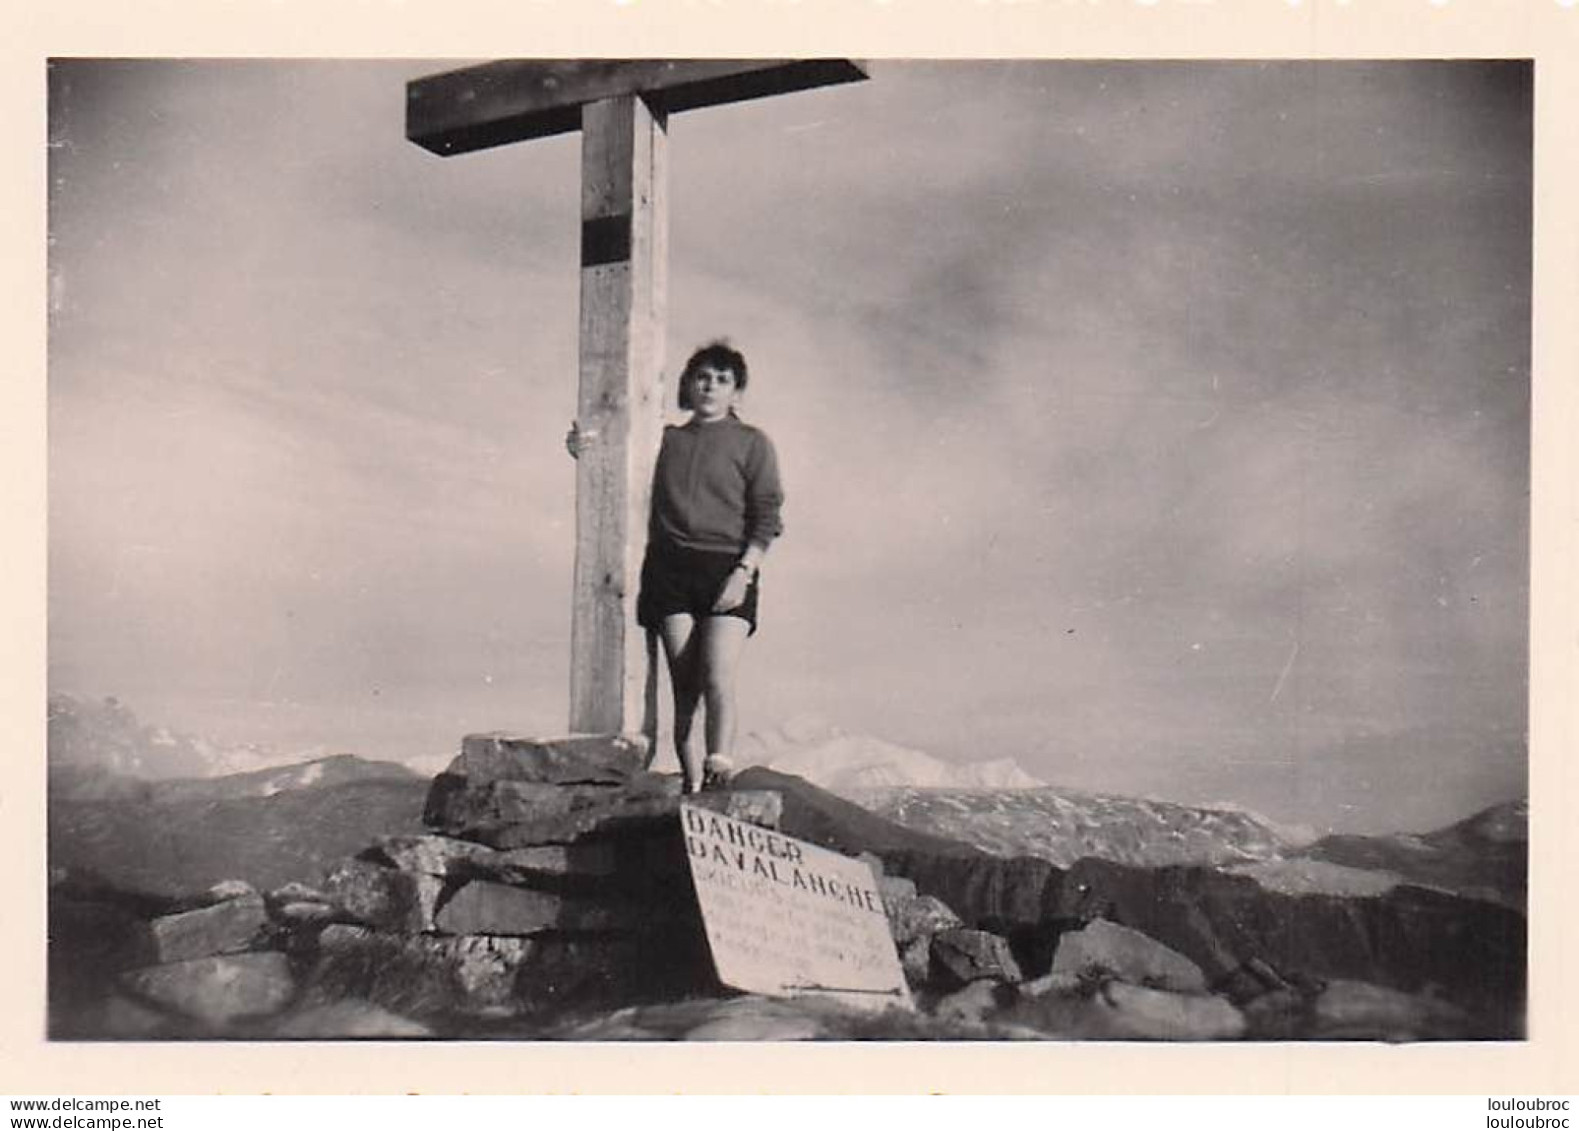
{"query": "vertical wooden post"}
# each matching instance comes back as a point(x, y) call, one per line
point(624, 237)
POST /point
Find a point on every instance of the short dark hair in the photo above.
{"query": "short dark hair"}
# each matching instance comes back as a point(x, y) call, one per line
point(714, 355)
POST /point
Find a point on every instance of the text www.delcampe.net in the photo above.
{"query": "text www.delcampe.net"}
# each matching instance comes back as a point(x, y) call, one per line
point(65, 1113)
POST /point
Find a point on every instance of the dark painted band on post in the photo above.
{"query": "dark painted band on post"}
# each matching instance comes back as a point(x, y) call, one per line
point(606, 239)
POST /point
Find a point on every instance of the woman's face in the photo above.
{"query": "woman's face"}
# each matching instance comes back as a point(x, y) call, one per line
point(713, 391)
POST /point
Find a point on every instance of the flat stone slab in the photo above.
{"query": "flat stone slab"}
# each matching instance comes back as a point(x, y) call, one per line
point(223, 928)
point(590, 861)
point(640, 816)
point(456, 803)
point(219, 989)
point(453, 858)
point(570, 760)
point(485, 908)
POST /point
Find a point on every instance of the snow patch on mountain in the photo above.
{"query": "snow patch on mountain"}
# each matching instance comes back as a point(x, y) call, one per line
point(837, 761)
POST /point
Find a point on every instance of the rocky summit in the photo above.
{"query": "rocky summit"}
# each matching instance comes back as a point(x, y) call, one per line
point(539, 889)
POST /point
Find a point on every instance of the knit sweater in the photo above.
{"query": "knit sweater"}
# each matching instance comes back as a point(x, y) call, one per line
point(716, 487)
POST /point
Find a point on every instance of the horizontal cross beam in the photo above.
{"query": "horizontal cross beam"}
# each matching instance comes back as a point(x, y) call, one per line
point(513, 100)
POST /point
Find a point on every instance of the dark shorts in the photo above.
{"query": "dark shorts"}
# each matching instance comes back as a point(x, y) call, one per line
point(677, 580)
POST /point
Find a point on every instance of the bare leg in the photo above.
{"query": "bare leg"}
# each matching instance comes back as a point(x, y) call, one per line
point(649, 700)
point(723, 638)
point(682, 645)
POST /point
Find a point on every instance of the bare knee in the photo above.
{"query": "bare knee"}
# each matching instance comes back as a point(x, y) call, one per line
point(718, 686)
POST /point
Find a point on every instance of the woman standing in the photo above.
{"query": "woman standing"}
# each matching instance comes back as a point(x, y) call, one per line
point(716, 500)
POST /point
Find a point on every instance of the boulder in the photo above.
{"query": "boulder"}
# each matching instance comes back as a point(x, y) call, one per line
point(963, 955)
point(1121, 1012)
point(429, 855)
point(297, 892)
point(221, 928)
point(572, 760)
point(1349, 1010)
point(893, 889)
point(1128, 955)
point(919, 917)
point(217, 990)
point(485, 908)
point(761, 807)
point(1406, 939)
point(385, 897)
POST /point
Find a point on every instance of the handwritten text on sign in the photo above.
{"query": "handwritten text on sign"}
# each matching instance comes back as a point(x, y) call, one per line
point(785, 917)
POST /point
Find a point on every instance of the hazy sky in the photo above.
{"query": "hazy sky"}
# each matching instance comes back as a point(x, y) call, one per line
point(1162, 426)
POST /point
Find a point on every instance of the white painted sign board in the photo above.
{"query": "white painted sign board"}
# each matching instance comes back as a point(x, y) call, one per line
point(786, 918)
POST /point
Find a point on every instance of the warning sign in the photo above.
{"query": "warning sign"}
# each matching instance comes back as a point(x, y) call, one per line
point(784, 917)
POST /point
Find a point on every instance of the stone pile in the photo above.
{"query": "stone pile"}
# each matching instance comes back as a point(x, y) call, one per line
point(1099, 980)
point(211, 962)
point(551, 897)
point(555, 875)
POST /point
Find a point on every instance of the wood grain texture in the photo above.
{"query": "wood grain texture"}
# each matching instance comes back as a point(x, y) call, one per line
point(513, 100)
point(624, 172)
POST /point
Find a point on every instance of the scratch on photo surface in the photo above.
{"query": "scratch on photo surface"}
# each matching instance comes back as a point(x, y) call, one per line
point(1288, 666)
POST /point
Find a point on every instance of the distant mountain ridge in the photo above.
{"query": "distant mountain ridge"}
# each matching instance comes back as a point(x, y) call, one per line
point(1000, 808)
point(88, 738)
point(100, 753)
point(1485, 856)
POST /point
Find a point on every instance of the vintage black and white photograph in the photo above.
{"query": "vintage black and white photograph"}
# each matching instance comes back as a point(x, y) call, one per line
point(617, 549)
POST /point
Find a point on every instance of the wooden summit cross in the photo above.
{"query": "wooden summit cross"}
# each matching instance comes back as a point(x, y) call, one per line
point(621, 108)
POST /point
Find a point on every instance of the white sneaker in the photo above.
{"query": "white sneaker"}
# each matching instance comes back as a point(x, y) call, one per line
point(716, 771)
